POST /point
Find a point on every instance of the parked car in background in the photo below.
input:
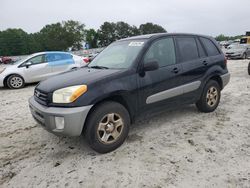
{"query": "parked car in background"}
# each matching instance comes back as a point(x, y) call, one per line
point(245, 40)
point(5, 60)
point(238, 51)
point(133, 77)
point(37, 67)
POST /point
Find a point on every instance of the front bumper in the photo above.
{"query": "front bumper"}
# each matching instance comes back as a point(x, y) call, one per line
point(1, 80)
point(225, 79)
point(74, 118)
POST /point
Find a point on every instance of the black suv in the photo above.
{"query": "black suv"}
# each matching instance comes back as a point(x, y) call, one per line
point(131, 77)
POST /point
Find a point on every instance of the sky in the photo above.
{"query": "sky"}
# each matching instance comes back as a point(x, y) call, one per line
point(210, 17)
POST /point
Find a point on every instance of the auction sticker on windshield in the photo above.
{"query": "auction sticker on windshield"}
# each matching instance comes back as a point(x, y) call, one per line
point(136, 43)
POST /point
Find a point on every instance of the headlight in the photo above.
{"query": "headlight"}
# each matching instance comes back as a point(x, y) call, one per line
point(68, 94)
point(1, 70)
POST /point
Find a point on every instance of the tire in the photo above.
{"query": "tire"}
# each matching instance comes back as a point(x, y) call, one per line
point(15, 82)
point(106, 120)
point(249, 68)
point(244, 56)
point(210, 97)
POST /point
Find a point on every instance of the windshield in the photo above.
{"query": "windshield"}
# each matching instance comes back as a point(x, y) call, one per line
point(119, 55)
point(21, 59)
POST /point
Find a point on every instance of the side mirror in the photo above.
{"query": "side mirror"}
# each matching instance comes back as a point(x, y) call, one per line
point(28, 64)
point(150, 66)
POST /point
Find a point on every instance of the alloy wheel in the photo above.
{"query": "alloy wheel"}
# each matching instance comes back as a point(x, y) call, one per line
point(110, 128)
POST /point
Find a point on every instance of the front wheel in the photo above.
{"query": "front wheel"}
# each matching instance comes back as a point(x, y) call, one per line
point(244, 56)
point(15, 82)
point(210, 97)
point(107, 127)
point(249, 68)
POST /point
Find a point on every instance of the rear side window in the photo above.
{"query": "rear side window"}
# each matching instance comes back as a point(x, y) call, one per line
point(210, 47)
point(188, 48)
point(162, 51)
point(57, 57)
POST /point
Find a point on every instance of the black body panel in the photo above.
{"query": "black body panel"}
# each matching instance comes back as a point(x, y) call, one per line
point(134, 86)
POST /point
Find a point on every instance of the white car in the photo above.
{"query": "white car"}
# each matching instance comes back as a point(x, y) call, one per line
point(37, 67)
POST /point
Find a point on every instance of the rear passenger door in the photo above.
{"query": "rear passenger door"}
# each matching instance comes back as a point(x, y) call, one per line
point(156, 87)
point(215, 57)
point(60, 62)
point(193, 59)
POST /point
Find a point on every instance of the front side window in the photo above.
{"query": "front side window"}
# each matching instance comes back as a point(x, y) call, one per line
point(37, 60)
point(162, 51)
point(188, 48)
point(119, 55)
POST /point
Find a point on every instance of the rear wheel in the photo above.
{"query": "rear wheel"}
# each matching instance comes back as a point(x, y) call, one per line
point(15, 82)
point(107, 127)
point(249, 68)
point(210, 97)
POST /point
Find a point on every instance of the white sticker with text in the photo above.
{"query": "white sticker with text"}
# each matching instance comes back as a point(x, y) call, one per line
point(136, 43)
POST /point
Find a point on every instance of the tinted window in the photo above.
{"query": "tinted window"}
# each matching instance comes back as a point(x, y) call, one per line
point(57, 57)
point(37, 60)
point(210, 47)
point(119, 55)
point(188, 48)
point(162, 51)
point(243, 41)
point(201, 49)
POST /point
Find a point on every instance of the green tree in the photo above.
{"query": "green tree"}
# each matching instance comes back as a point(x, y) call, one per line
point(13, 42)
point(107, 33)
point(92, 38)
point(222, 37)
point(149, 28)
point(75, 33)
point(54, 37)
point(124, 30)
point(61, 36)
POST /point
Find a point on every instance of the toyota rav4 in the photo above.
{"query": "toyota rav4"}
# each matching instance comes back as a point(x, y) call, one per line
point(132, 77)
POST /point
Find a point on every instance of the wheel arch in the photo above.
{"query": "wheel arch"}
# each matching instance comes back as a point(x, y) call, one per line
point(113, 98)
point(6, 78)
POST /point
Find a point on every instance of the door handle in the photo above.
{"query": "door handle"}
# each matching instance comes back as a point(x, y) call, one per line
point(175, 70)
point(205, 63)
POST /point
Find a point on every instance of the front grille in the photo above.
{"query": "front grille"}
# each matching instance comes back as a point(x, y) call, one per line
point(41, 97)
point(229, 53)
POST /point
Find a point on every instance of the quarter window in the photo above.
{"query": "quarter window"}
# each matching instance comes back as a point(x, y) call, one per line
point(162, 51)
point(188, 48)
point(210, 47)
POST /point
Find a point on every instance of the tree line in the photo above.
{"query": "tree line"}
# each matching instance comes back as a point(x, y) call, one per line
point(222, 37)
point(69, 34)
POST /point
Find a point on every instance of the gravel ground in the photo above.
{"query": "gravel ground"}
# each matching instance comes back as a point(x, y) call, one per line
point(180, 148)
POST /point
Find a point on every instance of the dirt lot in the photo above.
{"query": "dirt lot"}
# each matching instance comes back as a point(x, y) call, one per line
point(181, 148)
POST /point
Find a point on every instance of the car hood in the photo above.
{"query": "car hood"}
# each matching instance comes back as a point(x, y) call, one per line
point(235, 51)
point(10, 68)
point(75, 77)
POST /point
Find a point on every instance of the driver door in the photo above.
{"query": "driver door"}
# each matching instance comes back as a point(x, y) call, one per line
point(161, 87)
point(38, 69)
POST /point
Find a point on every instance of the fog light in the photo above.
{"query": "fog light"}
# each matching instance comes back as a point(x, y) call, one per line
point(59, 122)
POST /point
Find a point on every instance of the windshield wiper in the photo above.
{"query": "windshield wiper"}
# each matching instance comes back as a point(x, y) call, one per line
point(98, 67)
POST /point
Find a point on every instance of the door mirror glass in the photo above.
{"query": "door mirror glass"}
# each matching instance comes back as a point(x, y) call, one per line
point(150, 66)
